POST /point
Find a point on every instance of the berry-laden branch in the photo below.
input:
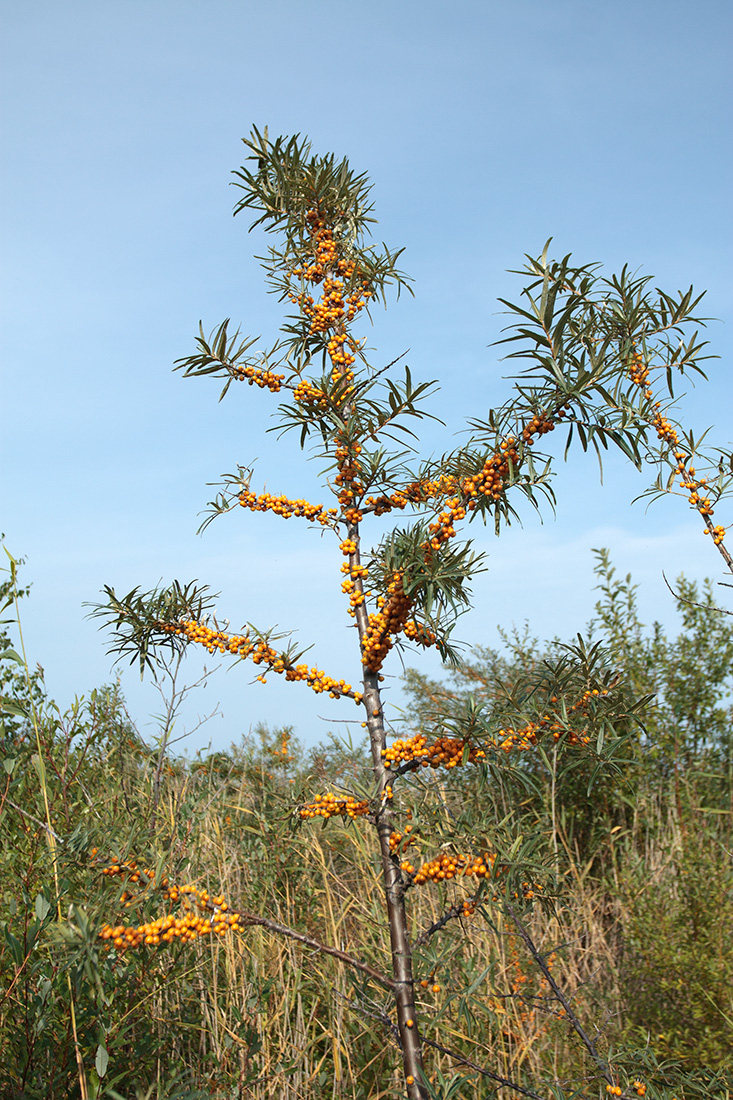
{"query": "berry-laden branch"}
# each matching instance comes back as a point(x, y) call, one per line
point(202, 914)
point(260, 653)
point(680, 457)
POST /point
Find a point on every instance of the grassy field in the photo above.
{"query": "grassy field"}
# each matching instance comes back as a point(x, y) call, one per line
point(632, 909)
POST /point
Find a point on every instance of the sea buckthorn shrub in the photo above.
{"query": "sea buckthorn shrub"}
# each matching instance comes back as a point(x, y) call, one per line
point(596, 355)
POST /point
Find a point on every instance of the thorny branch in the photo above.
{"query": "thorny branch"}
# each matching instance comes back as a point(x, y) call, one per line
point(349, 960)
point(449, 915)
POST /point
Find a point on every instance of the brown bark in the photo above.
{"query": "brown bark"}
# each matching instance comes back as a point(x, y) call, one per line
point(394, 889)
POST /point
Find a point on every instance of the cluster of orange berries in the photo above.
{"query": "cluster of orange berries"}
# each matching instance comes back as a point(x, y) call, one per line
point(692, 484)
point(308, 394)
point(448, 752)
point(328, 805)
point(696, 487)
point(259, 652)
point(530, 734)
point(444, 527)
point(342, 299)
point(447, 867)
point(168, 928)
point(129, 869)
point(352, 515)
point(352, 586)
point(417, 492)
point(344, 453)
point(326, 314)
point(400, 842)
point(206, 914)
point(337, 306)
point(639, 374)
point(241, 645)
point(265, 379)
point(356, 572)
point(347, 479)
point(341, 381)
point(450, 866)
point(349, 468)
point(325, 250)
point(540, 424)
point(418, 632)
point(388, 621)
point(283, 506)
point(319, 682)
point(341, 346)
point(318, 229)
point(356, 595)
point(489, 482)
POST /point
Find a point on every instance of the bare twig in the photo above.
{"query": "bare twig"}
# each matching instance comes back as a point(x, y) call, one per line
point(46, 828)
point(172, 701)
point(483, 1071)
point(692, 603)
point(569, 1011)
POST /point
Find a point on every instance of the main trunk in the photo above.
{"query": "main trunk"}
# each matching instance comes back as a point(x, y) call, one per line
point(392, 876)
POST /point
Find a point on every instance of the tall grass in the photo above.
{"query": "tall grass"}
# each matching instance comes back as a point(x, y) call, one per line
point(259, 1015)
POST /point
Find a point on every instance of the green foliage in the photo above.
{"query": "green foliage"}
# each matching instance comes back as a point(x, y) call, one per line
point(666, 876)
point(690, 676)
point(18, 692)
point(677, 969)
point(137, 619)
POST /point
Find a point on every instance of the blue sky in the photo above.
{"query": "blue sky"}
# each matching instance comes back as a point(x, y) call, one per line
point(486, 127)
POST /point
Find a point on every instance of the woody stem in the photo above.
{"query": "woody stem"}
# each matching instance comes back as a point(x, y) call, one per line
point(410, 1041)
